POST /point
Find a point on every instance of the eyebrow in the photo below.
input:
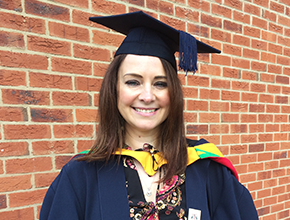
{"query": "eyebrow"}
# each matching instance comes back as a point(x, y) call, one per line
point(140, 76)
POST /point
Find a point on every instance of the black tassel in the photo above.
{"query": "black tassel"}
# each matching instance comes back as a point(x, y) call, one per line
point(187, 52)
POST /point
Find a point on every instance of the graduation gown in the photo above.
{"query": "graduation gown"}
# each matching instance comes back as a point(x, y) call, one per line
point(95, 191)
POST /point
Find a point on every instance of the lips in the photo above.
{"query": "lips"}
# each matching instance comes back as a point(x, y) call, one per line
point(145, 110)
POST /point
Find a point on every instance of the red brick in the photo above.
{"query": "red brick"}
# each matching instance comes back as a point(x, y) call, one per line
point(47, 10)
point(270, 166)
point(264, 3)
point(13, 149)
point(232, 26)
point(22, 23)
point(231, 49)
point(211, 21)
point(252, 32)
point(175, 23)
point(230, 95)
point(249, 97)
point(81, 17)
point(260, 45)
point(273, 27)
point(240, 63)
point(222, 60)
point(234, 4)
point(250, 177)
point(249, 75)
point(253, 128)
point(26, 198)
point(28, 165)
point(239, 149)
point(264, 157)
point(71, 66)
point(197, 105)
point(252, 9)
point(86, 115)
point(48, 45)
point(161, 6)
point(8, 39)
point(78, 3)
point(189, 92)
point(202, 31)
point(26, 131)
point(11, 5)
point(52, 147)
point(248, 138)
point(270, 15)
point(91, 53)
point(238, 128)
point(255, 87)
point(230, 139)
point(266, 98)
point(232, 73)
point(283, 60)
point(13, 114)
point(28, 97)
point(219, 129)
point(285, 90)
point(23, 214)
point(260, 23)
point(51, 115)
point(267, 77)
point(265, 137)
point(255, 186)
point(60, 161)
point(14, 183)
point(273, 89)
point(227, 117)
point(196, 129)
point(257, 108)
point(219, 106)
point(265, 118)
point(258, 66)
point(210, 69)
point(44, 179)
point(186, 13)
point(84, 145)
point(239, 107)
point(281, 99)
point(209, 117)
point(218, 83)
point(248, 118)
point(241, 17)
point(220, 10)
point(253, 54)
point(3, 202)
point(69, 32)
point(12, 78)
point(137, 2)
point(193, 80)
point(199, 4)
point(22, 60)
point(70, 131)
point(88, 84)
point(69, 98)
point(108, 7)
point(280, 118)
point(282, 79)
point(50, 81)
point(255, 167)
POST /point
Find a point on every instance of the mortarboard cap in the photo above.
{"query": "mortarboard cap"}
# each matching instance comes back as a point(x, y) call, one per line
point(149, 36)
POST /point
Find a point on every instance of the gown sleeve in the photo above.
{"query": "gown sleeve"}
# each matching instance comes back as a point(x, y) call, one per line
point(61, 200)
point(228, 198)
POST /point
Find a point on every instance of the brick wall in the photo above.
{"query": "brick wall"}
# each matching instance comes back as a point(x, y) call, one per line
point(52, 60)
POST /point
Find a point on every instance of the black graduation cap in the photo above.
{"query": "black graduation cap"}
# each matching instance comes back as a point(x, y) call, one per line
point(149, 36)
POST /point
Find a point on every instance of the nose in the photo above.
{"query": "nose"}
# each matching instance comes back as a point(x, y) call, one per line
point(147, 94)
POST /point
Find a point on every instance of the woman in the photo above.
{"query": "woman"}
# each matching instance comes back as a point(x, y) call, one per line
point(142, 166)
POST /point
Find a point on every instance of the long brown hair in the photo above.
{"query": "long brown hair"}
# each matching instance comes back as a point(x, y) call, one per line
point(110, 134)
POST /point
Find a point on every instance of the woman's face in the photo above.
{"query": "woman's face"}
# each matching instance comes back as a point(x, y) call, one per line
point(143, 97)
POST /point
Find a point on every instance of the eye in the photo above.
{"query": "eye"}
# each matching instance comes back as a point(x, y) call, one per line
point(160, 84)
point(132, 83)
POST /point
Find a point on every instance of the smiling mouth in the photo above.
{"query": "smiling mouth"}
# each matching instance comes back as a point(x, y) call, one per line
point(145, 110)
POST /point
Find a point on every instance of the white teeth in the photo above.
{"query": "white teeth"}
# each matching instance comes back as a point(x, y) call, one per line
point(145, 110)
